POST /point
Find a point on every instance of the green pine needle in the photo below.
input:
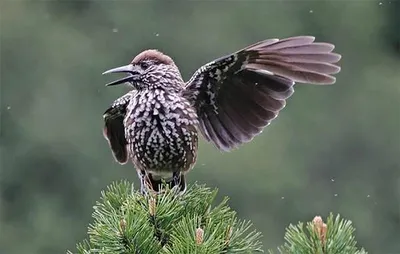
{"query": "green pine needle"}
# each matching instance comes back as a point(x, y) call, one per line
point(338, 238)
point(125, 221)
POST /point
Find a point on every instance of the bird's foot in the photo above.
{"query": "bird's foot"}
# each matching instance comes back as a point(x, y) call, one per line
point(147, 186)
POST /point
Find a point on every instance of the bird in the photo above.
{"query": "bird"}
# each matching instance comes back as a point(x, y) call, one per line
point(229, 101)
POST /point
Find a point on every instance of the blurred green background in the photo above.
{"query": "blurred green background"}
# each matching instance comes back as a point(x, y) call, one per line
point(333, 148)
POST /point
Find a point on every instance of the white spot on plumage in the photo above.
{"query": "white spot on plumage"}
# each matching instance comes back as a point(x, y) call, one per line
point(157, 126)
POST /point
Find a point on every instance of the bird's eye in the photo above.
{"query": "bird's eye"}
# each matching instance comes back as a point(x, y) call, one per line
point(144, 65)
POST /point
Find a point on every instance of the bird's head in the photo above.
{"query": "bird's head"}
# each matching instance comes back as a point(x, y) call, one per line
point(149, 69)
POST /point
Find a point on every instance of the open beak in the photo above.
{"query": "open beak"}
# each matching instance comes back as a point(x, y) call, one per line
point(133, 74)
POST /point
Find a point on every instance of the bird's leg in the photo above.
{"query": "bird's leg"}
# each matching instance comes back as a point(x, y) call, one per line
point(179, 181)
point(176, 178)
point(144, 182)
point(141, 178)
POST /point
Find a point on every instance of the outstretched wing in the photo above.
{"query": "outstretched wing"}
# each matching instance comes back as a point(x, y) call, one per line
point(114, 130)
point(236, 96)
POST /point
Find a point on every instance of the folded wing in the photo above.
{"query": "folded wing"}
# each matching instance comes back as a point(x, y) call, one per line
point(114, 130)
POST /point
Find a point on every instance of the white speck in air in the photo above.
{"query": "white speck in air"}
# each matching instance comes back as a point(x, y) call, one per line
point(368, 196)
point(335, 195)
point(311, 11)
point(115, 30)
point(332, 180)
point(157, 34)
point(282, 197)
point(380, 3)
point(9, 107)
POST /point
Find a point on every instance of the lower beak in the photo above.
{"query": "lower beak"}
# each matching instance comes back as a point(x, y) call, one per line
point(128, 69)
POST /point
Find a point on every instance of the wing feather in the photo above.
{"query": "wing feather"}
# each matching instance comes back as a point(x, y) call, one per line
point(114, 130)
point(236, 96)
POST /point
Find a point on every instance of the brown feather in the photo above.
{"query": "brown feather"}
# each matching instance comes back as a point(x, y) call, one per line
point(239, 119)
point(270, 85)
point(237, 133)
point(324, 68)
point(153, 54)
point(302, 58)
point(291, 42)
point(238, 95)
point(295, 75)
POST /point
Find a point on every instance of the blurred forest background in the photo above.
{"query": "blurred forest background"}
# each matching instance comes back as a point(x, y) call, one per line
point(333, 148)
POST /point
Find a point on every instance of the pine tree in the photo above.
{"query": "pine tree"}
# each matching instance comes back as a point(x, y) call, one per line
point(125, 221)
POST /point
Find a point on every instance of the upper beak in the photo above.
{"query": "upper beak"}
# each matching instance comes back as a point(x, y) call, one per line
point(127, 68)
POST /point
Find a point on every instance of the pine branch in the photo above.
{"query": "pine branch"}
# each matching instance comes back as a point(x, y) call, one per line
point(335, 237)
point(126, 222)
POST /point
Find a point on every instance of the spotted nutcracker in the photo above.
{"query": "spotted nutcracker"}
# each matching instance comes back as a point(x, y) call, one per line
point(229, 100)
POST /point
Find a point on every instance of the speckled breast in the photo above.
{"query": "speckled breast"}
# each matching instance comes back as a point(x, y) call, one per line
point(161, 132)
